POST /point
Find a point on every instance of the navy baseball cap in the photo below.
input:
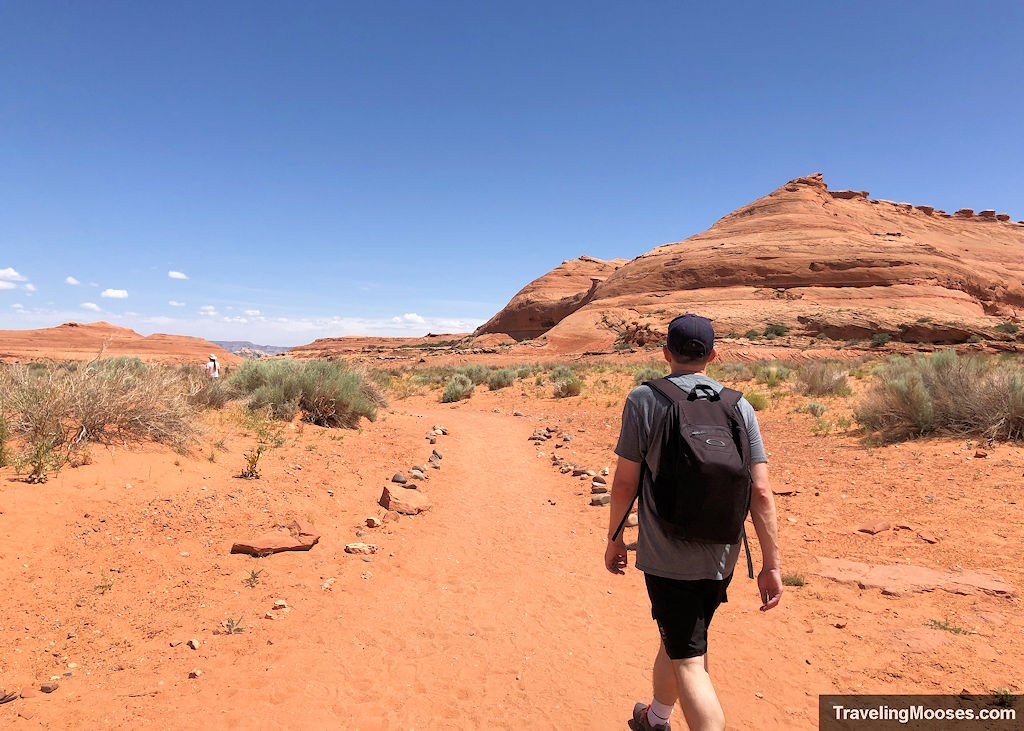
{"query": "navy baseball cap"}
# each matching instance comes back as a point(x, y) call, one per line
point(691, 336)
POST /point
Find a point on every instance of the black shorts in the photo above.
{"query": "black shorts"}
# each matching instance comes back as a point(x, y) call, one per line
point(683, 611)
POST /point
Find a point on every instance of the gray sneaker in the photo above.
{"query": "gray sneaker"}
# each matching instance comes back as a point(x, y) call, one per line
point(640, 722)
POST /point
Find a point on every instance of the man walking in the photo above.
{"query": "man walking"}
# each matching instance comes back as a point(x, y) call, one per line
point(686, 578)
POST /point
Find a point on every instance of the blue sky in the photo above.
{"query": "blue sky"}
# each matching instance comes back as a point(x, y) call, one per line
point(395, 167)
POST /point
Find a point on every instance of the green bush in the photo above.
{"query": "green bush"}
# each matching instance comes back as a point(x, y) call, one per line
point(822, 378)
point(501, 378)
point(751, 334)
point(1007, 327)
point(880, 339)
point(757, 399)
point(647, 374)
point(775, 331)
point(560, 373)
point(815, 409)
point(571, 386)
point(474, 372)
point(731, 371)
point(945, 393)
point(5, 434)
point(328, 393)
point(772, 373)
point(459, 387)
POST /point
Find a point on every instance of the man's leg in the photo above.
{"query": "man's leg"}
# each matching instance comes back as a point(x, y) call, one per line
point(665, 690)
point(697, 697)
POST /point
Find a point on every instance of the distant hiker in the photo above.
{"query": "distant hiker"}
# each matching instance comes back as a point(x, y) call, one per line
point(696, 448)
point(212, 367)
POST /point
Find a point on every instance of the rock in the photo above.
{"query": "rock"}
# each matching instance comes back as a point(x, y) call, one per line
point(901, 579)
point(926, 210)
point(436, 453)
point(565, 469)
point(988, 214)
point(1002, 216)
point(195, 673)
point(402, 500)
point(604, 471)
point(417, 475)
point(49, 686)
point(327, 584)
point(874, 526)
point(848, 194)
point(193, 644)
point(600, 499)
point(299, 535)
point(518, 413)
point(633, 520)
point(577, 471)
point(175, 643)
point(399, 478)
point(598, 489)
point(280, 604)
point(600, 480)
point(433, 440)
point(964, 213)
point(269, 615)
point(927, 537)
point(373, 522)
point(392, 515)
point(980, 454)
point(360, 548)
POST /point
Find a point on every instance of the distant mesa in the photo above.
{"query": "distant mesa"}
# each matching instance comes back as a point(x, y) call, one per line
point(83, 341)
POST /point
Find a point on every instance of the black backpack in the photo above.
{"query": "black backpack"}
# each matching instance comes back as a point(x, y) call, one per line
point(702, 487)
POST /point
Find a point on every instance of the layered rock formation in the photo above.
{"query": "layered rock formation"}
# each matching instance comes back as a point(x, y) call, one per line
point(549, 299)
point(78, 341)
point(815, 261)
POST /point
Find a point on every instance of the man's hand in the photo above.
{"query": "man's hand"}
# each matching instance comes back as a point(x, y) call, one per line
point(769, 583)
point(615, 556)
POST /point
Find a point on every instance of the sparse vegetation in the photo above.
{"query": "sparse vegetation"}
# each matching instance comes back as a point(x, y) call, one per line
point(771, 374)
point(647, 373)
point(751, 334)
point(947, 627)
point(459, 387)
point(253, 578)
point(233, 626)
point(251, 471)
point(757, 399)
point(945, 393)
point(815, 409)
point(567, 386)
point(775, 331)
point(328, 393)
point(1007, 327)
point(501, 378)
point(822, 378)
point(105, 585)
point(821, 427)
point(5, 434)
point(880, 339)
point(793, 580)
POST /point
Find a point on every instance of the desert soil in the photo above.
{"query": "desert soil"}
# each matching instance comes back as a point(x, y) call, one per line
point(493, 609)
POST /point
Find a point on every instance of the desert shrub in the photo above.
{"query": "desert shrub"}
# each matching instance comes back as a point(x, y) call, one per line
point(751, 334)
point(880, 339)
point(459, 387)
point(55, 411)
point(501, 378)
point(1007, 327)
point(328, 393)
point(772, 373)
point(562, 373)
point(945, 393)
point(822, 378)
point(775, 331)
point(757, 399)
point(815, 409)
point(647, 374)
point(5, 435)
point(474, 372)
point(731, 371)
point(432, 375)
point(567, 386)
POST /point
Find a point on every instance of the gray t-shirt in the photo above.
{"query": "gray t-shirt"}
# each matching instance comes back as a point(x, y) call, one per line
point(657, 552)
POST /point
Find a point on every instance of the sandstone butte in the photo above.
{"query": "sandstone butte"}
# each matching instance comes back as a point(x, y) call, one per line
point(817, 261)
point(77, 341)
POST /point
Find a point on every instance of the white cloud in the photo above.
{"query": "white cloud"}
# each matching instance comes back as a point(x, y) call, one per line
point(71, 280)
point(252, 313)
point(7, 285)
point(18, 306)
point(410, 318)
point(117, 294)
point(90, 306)
point(9, 275)
point(208, 311)
point(173, 303)
point(177, 275)
point(30, 287)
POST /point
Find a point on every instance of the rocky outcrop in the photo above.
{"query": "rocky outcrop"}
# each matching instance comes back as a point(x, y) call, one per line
point(83, 341)
point(298, 535)
point(816, 261)
point(546, 301)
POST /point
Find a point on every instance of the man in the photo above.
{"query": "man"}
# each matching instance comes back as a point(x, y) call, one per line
point(686, 580)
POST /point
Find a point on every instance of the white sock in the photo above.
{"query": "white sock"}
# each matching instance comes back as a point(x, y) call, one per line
point(659, 713)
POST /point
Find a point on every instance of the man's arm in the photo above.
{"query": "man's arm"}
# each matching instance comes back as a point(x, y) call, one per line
point(624, 486)
point(762, 512)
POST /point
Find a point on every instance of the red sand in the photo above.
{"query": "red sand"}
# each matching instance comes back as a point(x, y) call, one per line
point(493, 609)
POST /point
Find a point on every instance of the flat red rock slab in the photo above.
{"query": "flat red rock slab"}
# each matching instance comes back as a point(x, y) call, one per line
point(874, 526)
point(900, 580)
point(298, 535)
point(404, 500)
